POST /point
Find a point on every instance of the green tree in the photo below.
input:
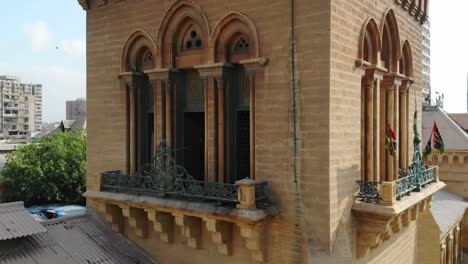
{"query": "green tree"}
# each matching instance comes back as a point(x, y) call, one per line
point(52, 169)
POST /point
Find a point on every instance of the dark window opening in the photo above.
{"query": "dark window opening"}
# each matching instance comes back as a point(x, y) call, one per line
point(243, 145)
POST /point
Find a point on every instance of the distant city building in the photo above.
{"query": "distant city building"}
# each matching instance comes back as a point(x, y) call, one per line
point(76, 110)
point(426, 62)
point(20, 107)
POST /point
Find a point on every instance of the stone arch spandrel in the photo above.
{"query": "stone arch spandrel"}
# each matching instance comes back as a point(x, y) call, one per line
point(233, 25)
point(370, 37)
point(389, 29)
point(131, 52)
point(406, 60)
point(180, 13)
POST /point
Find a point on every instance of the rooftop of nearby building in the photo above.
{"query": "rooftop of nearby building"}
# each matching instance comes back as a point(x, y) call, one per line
point(447, 209)
point(461, 119)
point(16, 222)
point(10, 78)
point(82, 239)
point(455, 138)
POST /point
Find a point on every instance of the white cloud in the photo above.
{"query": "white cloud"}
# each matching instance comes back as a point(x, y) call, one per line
point(38, 36)
point(75, 48)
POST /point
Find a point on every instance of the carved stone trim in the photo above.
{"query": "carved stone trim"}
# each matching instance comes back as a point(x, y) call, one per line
point(163, 223)
point(137, 219)
point(191, 228)
point(253, 241)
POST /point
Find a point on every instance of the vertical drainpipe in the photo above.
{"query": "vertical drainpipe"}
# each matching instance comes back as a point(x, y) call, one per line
point(298, 232)
point(294, 87)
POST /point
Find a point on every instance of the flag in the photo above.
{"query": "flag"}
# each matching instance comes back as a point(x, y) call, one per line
point(390, 141)
point(438, 142)
point(428, 148)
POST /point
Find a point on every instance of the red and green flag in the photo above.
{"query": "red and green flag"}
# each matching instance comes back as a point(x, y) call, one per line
point(428, 148)
point(437, 140)
point(391, 143)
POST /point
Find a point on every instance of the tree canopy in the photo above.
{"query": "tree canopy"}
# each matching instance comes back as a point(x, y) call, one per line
point(50, 170)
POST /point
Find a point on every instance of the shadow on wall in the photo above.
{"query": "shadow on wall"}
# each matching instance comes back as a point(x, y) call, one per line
point(346, 182)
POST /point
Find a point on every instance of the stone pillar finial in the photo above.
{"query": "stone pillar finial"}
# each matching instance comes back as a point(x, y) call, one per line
point(388, 193)
point(246, 194)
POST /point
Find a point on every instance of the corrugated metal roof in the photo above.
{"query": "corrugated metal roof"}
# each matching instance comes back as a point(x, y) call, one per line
point(447, 209)
point(454, 137)
point(16, 222)
point(84, 239)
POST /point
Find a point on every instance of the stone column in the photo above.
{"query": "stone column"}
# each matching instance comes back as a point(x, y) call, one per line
point(456, 244)
point(403, 129)
point(156, 110)
point(215, 111)
point(369, 128)
point(221, 129)
point(168, 112)
point(449, 248)
point(252, 124)
point(254, 71)
point(443, 253)
point(378, 75)
point(389, 120)
point(130, 91)
point(392, 82)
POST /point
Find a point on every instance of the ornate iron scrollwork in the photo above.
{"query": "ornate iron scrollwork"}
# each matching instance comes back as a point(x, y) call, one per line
point(369, 191)
point(164, 178)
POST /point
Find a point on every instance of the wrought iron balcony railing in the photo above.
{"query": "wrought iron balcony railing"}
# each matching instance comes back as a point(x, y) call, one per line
point(164, 178)
point(412, 181)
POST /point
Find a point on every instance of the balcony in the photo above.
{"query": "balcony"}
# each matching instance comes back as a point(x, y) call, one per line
point(385, 208)
point(388, 193)
point(165, 195)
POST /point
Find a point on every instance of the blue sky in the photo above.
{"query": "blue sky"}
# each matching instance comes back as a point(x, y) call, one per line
point(43, 41)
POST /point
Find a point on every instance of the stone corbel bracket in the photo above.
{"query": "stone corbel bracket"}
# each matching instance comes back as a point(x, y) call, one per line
point(137, 219)
point(162, 223)
point(221, 234)
point(113, 215)
point(253, 235)
point(191, 228)
point(193, 218)
point(376, 223)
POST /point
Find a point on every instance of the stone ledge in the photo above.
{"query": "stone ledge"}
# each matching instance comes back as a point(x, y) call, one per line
point(376, 223)
point(404, 204)
point(199, 209)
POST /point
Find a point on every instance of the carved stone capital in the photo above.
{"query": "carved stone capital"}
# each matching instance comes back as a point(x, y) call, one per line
point(215, 70)
point(253, 66)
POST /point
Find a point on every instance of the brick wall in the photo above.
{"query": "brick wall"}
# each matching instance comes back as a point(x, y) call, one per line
point(315, 198)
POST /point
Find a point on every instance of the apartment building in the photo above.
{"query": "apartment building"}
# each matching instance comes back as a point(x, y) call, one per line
point(76, 110)
point(20, 107)
point(426, 62)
